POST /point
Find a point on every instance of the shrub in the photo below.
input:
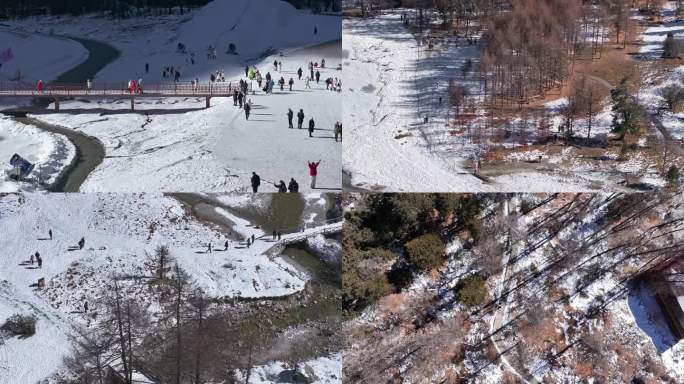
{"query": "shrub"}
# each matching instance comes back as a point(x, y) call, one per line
point(425, 252)
point(471, 291)
point(671, 47)
point(673, 175)
point(20, 325)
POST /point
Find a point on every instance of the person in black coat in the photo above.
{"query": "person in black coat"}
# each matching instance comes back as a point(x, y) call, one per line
point(293, 186)
point(290, 115)
point(256, 181)
point(300, 118)
point(247, 109)
point(312, 125)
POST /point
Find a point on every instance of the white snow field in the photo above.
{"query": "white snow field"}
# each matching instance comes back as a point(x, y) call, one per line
point(50, 153)
point(323, 370)
point(387, 144)
point(36, 56)
point(177, 145)
point(120, 231)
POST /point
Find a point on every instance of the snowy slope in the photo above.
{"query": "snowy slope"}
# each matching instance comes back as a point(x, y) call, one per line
point(37, 56)
point(380, 105)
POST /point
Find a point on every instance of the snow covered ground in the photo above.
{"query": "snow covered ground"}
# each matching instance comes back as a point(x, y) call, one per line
point(35, 56)
point(322, 370)
point(387, 144)
point(177, 145)
point(120, 232)
point(51, 153)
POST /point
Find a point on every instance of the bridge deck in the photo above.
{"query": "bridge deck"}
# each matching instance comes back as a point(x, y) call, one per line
point(65, 91)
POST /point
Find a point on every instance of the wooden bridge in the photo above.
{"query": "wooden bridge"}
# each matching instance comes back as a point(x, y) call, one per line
point(59, 92)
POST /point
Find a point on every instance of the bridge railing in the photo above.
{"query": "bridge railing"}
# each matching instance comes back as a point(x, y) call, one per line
point(117, 89)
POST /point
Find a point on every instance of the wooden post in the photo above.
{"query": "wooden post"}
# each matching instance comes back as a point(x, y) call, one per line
point(57, 104)
point(208, 102)
point(132, 103)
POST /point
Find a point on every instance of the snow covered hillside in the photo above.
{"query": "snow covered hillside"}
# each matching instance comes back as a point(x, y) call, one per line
point(120, 231)
point(35, 56)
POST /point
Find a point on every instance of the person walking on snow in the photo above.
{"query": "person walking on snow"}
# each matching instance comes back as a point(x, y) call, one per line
point(240, 97)
point(306, 83)
point(274, 234)
point(280, 235)
point(300, 118)
point(226, 245)
point(313, 172)
point(209, 248)
point(291, 83)
point(299, 73)
point(40, 262)
point(338, 131)
point(322, 63)
point(281, 82)
point(290, 115)
point(312, 126)
point(50, 233)
point(247, 109)
point(32, 258)
point(249, 242)
point(81, 243)
point(275, 65)
point(256, 181)
point(318, 77)
point(235, 97)
point(253, 238)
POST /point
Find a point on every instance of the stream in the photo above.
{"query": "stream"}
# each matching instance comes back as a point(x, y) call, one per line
point(298, 327)
point(89, 151)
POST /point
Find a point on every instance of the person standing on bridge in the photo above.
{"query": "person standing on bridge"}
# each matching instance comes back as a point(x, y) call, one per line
point(313, 172)
point(312, 126)
point(89, 86)
point(140, 86)
point(39, 86)
point(300, 118)
point(247, 109)
point(291, 83)
point(290, 115)
point(256, 181)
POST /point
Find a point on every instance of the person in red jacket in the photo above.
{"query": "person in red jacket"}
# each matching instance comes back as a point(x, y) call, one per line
point(313, 171)
point(40, 86)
